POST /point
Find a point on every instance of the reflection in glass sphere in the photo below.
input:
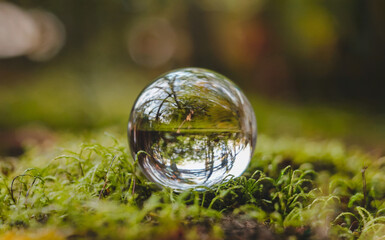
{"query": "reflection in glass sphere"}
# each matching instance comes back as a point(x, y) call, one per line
point(192, 127)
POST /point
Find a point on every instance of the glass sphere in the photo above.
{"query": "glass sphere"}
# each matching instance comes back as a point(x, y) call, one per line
point(190, 128)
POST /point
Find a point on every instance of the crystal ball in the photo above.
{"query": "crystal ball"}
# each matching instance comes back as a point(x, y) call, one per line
point(192, 128)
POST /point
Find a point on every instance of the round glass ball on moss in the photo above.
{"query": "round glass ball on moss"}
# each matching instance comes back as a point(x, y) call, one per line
point(192, 128)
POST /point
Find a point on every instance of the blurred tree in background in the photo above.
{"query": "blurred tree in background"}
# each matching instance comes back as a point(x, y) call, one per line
point(85, 62)
point(304, 50)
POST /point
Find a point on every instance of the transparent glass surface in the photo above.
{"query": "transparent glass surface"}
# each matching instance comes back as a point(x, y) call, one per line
point(190, 128)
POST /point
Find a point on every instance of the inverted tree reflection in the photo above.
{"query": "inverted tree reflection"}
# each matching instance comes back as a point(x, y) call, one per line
point(190, 155)
point(192, 125)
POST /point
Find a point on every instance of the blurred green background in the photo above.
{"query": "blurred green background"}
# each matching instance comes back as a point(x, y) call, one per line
point(310, 68)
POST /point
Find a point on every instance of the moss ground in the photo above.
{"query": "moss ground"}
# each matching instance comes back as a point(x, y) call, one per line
point(90, 188)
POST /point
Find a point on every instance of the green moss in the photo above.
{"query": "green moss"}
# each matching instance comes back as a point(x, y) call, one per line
point(92, 189)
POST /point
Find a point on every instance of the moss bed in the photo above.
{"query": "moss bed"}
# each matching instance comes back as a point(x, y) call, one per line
point(90, 188)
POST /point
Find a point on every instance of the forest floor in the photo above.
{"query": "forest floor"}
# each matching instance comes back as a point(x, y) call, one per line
point(66, 173)
point(90, 188)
